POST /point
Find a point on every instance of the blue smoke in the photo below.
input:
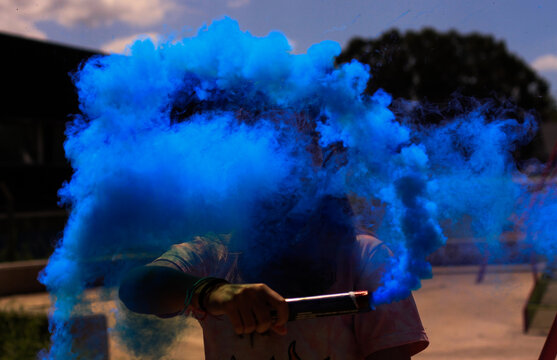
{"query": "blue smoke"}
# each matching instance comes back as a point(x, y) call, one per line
point(145, 336)
point(536, 219)
point(190, 137)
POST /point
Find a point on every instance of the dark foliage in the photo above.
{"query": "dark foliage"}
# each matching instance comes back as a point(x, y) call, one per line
point(444, 71)
point(22, 336)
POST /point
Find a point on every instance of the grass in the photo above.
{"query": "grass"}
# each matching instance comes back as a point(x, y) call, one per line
point(22, 336)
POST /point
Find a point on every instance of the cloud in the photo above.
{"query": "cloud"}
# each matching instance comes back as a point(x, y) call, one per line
point(120, 45)
point(21, 15)
point(106, 12)
point(545, 63)
point(13, 21)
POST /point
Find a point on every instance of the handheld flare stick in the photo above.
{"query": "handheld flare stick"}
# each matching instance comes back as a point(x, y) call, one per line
point(328, 305)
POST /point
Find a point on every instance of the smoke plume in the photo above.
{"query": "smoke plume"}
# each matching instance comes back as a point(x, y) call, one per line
point(185, 138)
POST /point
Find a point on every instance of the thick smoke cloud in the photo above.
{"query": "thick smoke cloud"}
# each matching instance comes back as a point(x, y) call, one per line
point(191, 137)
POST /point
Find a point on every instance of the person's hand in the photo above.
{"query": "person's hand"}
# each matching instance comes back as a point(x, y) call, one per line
point(249, 306)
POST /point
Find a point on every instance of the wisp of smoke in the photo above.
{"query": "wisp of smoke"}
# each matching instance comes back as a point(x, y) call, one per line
point(188, 137)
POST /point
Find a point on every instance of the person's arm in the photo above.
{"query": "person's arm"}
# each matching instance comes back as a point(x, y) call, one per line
point(157, 290)
point(162, 291)
point(249, 307)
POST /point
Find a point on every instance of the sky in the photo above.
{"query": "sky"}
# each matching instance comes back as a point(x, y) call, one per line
point(527, 26)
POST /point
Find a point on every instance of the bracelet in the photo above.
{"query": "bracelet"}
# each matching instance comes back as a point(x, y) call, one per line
point(206, 284)
point(189, 293)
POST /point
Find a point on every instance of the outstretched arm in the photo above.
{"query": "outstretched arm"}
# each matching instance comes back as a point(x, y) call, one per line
point(157, 290)
point(163, 291)
point(249, 307)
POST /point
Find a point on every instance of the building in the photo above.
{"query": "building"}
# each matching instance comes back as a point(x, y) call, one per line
point(38, 100)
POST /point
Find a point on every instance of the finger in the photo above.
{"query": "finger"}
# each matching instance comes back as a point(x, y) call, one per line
point(262, 312)
point(280, 306)
point(279, 329)
point(248, 318)
point(236, 321)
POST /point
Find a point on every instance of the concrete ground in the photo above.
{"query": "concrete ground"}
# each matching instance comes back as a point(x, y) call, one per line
point(464, 320)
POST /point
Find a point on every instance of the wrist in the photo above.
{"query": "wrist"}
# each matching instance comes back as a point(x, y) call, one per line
point(203, 290)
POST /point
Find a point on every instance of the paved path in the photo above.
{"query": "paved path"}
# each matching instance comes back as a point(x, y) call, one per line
point(465, 320)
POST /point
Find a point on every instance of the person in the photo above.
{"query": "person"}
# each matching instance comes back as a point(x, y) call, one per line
point(233, 283)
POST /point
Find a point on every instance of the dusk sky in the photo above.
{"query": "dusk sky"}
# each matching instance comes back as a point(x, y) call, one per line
point(528, 27)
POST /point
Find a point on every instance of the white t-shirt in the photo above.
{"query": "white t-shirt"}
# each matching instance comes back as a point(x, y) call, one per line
point(343, 337)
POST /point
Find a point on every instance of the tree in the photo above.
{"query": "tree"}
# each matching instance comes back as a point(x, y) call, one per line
point(437, 68)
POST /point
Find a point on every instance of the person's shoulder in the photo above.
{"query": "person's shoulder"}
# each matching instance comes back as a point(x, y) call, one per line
point(368, 245)
point(209, 243)
point(368, 240)
point(370, 256)
point(201, 253)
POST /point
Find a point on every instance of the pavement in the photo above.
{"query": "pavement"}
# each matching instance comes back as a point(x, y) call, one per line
point(463, 319)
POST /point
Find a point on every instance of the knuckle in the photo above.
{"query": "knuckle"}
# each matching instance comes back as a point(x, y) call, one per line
point(261, 330)
point(244, 292)
point(249, 329)
point(248, 291)
point(256, 288)
point(263, 326)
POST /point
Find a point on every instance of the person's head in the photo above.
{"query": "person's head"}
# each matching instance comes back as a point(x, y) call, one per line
point(294, 238)
point(294, 250)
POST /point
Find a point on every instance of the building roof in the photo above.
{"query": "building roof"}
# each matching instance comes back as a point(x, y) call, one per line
point(36, 75)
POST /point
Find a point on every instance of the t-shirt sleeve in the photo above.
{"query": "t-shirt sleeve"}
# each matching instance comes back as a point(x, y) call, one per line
point(199, 257)
point(388, 325)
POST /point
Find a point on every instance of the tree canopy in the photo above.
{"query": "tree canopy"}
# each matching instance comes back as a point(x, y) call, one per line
point(436, 68)
point(432, 66)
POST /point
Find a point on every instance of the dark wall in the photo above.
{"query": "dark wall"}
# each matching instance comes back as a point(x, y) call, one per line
point(36, 76)
point(38, 99)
